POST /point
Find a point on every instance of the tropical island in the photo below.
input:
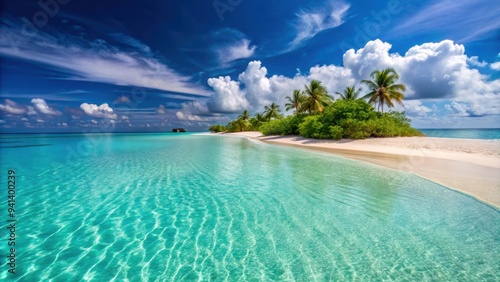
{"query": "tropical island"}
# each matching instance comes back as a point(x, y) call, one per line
point(318, 115)
point(354, 119)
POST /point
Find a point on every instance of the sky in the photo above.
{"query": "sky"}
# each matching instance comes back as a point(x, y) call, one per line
point(151, 65)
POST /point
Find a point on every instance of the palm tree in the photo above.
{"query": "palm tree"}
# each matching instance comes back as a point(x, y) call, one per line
point(239, 124)
point(316, 97)
point(244, 116)
point(295, 101)
point(272, 111)
point(384, 88)
point(350, 93)
point(257, 120)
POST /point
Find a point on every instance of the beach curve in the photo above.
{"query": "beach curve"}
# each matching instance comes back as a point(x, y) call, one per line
point(469, 166)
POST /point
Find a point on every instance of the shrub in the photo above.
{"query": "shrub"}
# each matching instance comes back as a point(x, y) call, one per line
point(285, 126)
point(336, 132)
point(353, 119)
point(217, 128)
point(273, 127)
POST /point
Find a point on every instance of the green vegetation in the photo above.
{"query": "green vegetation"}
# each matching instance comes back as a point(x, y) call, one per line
point(316, 98)
point(317, 115)
point(350, 93)
point(384, 88)
point(272, 112)
point(218, 128)
point(295, 101)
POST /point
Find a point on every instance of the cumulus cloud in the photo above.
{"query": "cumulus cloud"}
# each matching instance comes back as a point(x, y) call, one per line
point(430, 70)
point(102, 111)
point(254, 89)
point(11, 107)
point(42, 107)
point(310, 23)
point(228, 97)
point(439, 70)
point(257, 85)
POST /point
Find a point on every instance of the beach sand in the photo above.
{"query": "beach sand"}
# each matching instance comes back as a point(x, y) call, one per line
point(467, 165)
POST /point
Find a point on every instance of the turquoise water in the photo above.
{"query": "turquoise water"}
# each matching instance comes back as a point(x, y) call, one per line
point(463, 133)
point(166, 207)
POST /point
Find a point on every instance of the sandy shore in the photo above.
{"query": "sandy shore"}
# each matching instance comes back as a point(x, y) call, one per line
point(467, 165)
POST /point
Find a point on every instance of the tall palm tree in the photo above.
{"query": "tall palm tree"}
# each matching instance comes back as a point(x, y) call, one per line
point(295, 101)
point(316, 97)
point(272, 111)
point(384, 88)
point(244, 116)
point(350, 93)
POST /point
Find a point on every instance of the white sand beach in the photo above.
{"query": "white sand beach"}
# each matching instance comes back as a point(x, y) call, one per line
point(467, 165)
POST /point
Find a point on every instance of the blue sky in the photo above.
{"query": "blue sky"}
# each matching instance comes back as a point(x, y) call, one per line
point(71, 66)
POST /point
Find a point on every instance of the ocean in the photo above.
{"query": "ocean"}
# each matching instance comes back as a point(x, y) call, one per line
point(187, 207)
point(481, 133)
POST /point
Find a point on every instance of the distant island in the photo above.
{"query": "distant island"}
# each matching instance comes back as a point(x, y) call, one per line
point(178, 130)
point(318, 115)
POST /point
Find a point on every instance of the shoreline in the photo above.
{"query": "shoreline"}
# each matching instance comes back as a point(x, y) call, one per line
point(469, 166)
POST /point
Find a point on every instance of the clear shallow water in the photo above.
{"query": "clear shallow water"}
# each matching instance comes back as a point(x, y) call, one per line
point(186, 208)
point(463, 133)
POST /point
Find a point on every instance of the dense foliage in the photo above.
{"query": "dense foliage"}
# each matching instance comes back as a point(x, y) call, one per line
point(353, 119)
point(284, 126)
point(218, 128)
point(316, 115)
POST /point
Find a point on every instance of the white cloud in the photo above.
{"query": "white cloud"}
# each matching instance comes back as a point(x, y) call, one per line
point(495, 66)
point(310, 23)
point(197, 111)
point(12, 107)
point(238, 50)
point(102, 111)
point(459, 109)
point(31, 111)
point(161, 110)
point(474, 61)
point(255, 89)
point(42, 107)
point(228, 97)
point(190, 117)
point(414, 108)
point(122, 100)
point(96, 61)
point(257, 85)
point(430, 71)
